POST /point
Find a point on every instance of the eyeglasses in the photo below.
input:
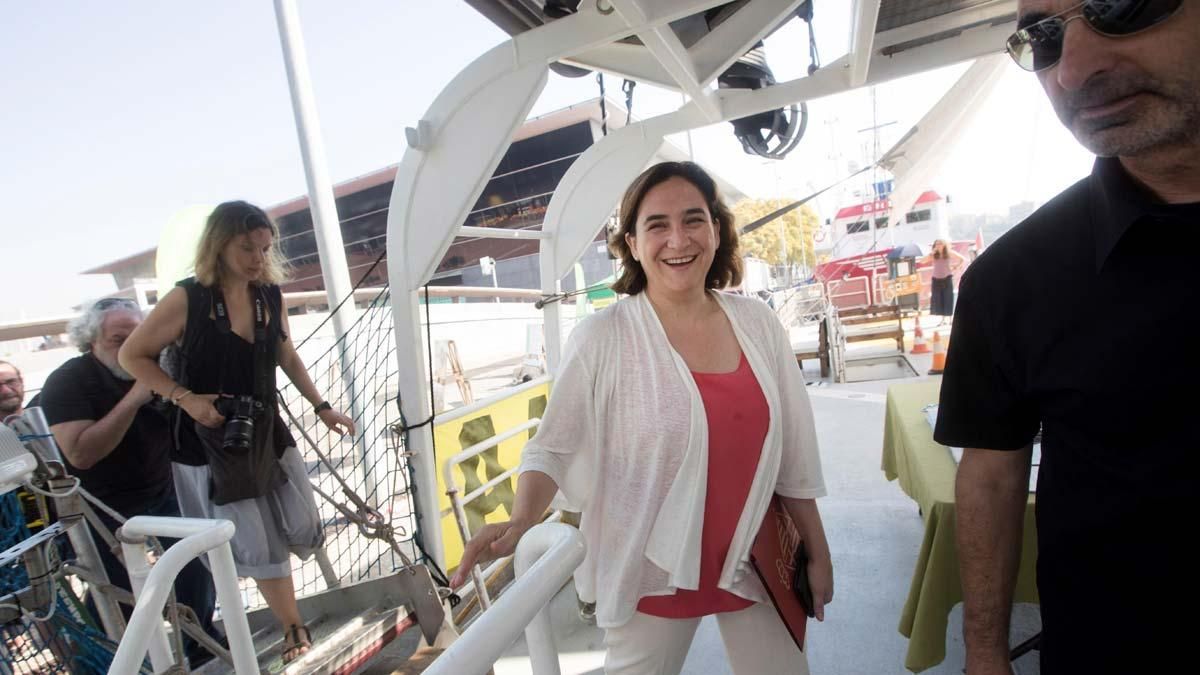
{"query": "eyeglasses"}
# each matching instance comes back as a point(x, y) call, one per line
point(109, 303)
point(11, 383)
point(1039, 45)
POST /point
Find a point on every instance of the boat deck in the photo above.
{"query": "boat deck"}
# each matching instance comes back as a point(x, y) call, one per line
point(875, 533)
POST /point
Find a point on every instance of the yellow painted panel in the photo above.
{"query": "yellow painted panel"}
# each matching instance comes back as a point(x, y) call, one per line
point(455, 436)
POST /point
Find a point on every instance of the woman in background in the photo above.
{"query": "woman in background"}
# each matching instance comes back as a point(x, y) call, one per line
point(946, 261)
point(217, 320)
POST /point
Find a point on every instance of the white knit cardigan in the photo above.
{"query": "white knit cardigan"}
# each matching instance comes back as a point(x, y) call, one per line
point(625, 438)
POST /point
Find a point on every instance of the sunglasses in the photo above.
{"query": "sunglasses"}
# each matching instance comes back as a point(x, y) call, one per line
point(1039, 45)
point(109, 303)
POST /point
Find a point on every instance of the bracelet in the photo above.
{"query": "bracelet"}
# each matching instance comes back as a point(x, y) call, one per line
point(171, 396)
point(322, 407)
point(186, 393)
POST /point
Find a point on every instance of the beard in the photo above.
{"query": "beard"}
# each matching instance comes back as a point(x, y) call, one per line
point(110, 362)
point(9, 405)
point(1163, 114)
point(119, 372)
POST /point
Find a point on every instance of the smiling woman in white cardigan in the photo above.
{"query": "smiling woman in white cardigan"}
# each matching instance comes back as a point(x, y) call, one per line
point(675, 416)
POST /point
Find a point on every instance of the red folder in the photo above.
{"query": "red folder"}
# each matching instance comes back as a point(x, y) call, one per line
point(774, 559)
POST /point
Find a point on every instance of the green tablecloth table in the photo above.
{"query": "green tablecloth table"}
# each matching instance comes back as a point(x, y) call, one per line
point(926, 471)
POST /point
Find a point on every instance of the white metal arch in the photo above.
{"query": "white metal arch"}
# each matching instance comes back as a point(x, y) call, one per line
point(460, 140)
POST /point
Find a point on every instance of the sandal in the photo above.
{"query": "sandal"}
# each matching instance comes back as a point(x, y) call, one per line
point(296, 643)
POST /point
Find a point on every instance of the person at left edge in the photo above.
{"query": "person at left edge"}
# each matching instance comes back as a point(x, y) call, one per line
point(115, 437)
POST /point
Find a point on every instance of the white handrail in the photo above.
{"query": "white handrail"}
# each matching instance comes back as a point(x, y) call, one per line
point(466, 410)
point(539, 634)
point(458, 503)
point(546, 557)
point(197, 536)
point(482, 446)
point(493, 567)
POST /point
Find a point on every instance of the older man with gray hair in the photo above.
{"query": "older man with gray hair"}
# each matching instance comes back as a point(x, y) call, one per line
point(115, 436)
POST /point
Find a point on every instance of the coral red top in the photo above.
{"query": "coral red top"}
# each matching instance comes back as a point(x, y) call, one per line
point(737, 427)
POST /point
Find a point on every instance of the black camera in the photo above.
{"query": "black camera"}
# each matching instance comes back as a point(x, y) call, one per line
point(239, 413)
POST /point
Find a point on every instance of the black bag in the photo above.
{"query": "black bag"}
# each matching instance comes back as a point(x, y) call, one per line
point(235, 475)
point(246, 474)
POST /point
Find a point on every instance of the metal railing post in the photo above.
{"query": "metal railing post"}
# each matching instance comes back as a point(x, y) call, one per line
point(547, 556)
point(196, 537)
point(134, 549)
point(539, 634)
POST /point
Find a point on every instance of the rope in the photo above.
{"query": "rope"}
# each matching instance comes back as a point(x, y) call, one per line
point(627, 87)
point(361, 279)
point(806, 13)
point(368, 344)
point(750, 227)
point(557, 297)
point(603, 106)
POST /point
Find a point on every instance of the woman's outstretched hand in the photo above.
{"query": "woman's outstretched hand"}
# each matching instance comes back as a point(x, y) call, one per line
point(336, 421)
point(490, 542)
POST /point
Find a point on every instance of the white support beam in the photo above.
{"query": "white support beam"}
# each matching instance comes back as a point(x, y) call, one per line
point(666, 47)
point(592, 187)
point(995, 12)
point(662, 12)
point(925, 148)
point(500, 233)
point(862, 38)
point(716, 51)
point(831, 79)
point(625, 60)
point(589, 28)
point(463, 135)
point(585, 191)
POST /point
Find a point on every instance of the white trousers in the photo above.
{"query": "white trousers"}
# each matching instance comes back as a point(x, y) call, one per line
point(755, 640)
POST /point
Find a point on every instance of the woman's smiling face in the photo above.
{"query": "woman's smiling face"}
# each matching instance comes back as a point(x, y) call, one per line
point(676, 238)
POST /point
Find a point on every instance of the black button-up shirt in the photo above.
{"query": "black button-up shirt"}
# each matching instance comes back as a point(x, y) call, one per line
point(1082, 320)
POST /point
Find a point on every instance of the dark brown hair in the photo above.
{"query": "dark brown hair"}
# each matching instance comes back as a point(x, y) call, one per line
point(726, 268)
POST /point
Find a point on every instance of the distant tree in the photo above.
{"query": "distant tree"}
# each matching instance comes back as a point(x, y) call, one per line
point(800, 225)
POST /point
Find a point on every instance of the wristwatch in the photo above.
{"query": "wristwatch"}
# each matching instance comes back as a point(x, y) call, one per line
point(322, 407)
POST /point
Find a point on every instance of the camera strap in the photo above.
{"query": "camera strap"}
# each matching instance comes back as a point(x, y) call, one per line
point(264, 363)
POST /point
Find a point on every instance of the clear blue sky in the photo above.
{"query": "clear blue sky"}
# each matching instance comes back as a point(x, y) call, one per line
point(117, 114)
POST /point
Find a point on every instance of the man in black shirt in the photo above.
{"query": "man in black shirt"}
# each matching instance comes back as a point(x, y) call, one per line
point(115, 436)
point(1080, 322)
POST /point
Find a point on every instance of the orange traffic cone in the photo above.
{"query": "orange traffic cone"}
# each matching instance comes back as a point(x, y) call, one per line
point(939, 355)
point(919, 346)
